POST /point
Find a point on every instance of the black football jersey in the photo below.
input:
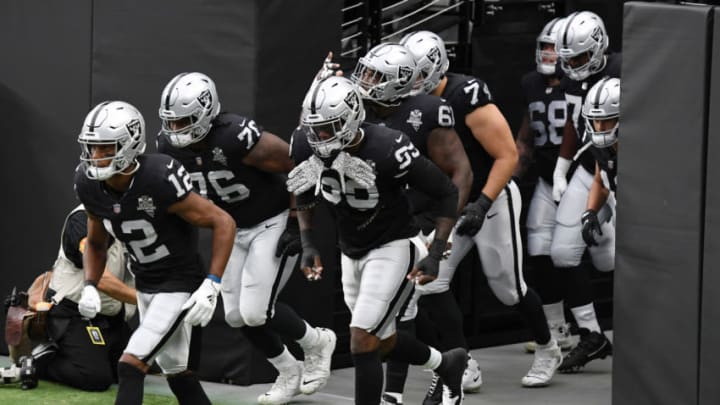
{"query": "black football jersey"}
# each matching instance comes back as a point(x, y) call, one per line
point(575, 93)
point(163, 247)
point(465, 94)
point(416, 117)
point(215, 164)
point(546, 110)
point(368, 218)
point(607, 161)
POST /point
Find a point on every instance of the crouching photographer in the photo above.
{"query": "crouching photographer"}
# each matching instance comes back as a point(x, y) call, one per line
point(46, 331)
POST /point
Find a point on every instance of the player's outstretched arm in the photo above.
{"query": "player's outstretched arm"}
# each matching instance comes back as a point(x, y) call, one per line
point(448, 153)
point(114, 287)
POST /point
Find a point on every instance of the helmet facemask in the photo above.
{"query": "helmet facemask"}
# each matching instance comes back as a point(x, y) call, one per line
point(602, 107)
point(545, 55)
point(583, 33)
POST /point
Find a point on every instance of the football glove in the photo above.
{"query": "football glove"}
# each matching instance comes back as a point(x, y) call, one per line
point(474, 216)
point(328, 69)
point(89, 304)
point(353, 168)
point(590, 227)
point(202, 303)
point(560, 183)
point(307, 260)
point(305, 176)
point(427, 269)
point(289, 243)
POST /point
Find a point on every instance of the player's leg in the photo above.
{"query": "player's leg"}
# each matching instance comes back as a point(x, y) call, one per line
point(546, 279)
point(500, 249)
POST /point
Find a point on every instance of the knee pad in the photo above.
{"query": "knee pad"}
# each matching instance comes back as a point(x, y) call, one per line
point(566, 255)
point(253, 316)
point(234, 319)
point(507, 297)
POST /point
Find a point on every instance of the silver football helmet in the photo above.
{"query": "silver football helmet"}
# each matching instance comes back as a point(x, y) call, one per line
point(545, 59)
point(332, 111)
point(385, 74)
point(188, 105)
point(582, 33)
point(111, 123)
point(602, 103)
point(431, 58)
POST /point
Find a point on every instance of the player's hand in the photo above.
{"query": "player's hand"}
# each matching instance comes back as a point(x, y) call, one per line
point(289, 243)
point(328, 69)
point(305, 176)
point(202, 303)
point(310, 262)
point(473, 216)
point(353, 168)
point(427, 269)
point(590, 227)
point(89, 304)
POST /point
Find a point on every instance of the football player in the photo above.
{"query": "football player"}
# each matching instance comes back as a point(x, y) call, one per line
point(386, 77)
point(146, 202)
point(490, 222)
point(362, 173)
point(240, 167)
point(601, 111)
point(539, 138)
point(581, 44)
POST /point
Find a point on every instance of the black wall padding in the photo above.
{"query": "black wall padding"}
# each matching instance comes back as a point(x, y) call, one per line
point(709, 389)
point(660, 204)
point(44, 96)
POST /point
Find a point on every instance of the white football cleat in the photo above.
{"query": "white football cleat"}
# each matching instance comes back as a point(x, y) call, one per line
point(472, 377)
point(547, 360)
point(317, 362)
point(285, 388)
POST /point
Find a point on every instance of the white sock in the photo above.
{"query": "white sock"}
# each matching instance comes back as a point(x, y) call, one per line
point(434, 360)
point(284, 361)
point(398, 397)
point(554, 313)
point(311, 337)
point(585, 317)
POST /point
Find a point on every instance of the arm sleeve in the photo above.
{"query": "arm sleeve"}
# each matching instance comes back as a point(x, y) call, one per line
point(73, 236)
point(424, 176)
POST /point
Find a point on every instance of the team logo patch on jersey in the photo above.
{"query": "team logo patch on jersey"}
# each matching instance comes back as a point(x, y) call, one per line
point(145, 203)
point(219, 156)
point(584, 86)
point(415, 119)
point(198, 160)
point(116, 208)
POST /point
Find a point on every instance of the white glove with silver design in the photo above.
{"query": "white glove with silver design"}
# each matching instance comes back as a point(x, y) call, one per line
point(305, 176)
point(202, 303)
point(355, 169)
point(560, 183)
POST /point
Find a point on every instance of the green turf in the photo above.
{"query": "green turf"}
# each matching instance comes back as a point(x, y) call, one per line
point(48, 393)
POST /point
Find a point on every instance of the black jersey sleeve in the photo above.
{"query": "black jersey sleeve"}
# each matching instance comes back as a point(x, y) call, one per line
point(170, 181)
point(424, 176)
point(475, 93)
point(73, 236)
point(237, 133)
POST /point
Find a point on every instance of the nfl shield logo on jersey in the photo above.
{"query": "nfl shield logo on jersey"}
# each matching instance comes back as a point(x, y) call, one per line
point(219, 156)
point(415, 119)
point(145, 203)
point(116, 208)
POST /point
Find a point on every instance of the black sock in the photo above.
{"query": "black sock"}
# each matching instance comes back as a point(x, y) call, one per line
point(368, 378)
point(546, 279)
point(531, 308)
point(265, 339)
point(187, 389)
point(131, 384)
point(425, 328)
point(579, 289)
point(445, 313)
point(287, 322)
point(409, 350)
point(397, 371)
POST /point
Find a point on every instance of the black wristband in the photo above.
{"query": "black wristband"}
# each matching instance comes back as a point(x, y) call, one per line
point(437, 248)
point(91, 282)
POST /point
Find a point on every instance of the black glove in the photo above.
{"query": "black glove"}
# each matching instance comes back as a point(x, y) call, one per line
point(289, 243)
point(430, 264)
point(309, 251)
point(590, 226)
point(474, 216)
